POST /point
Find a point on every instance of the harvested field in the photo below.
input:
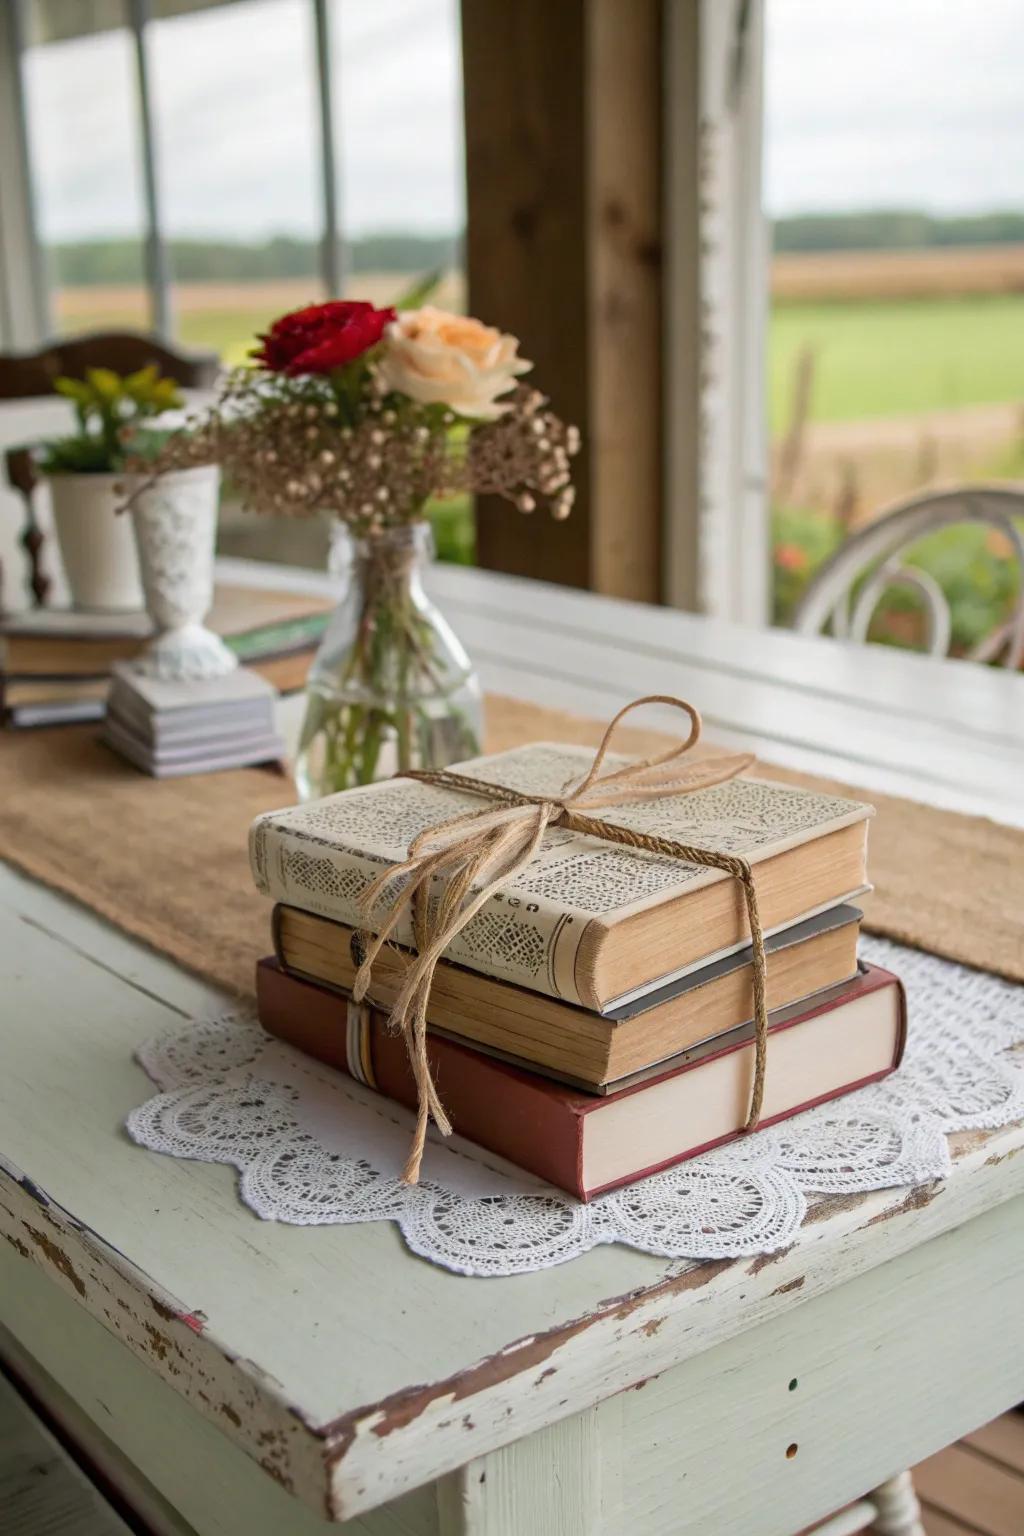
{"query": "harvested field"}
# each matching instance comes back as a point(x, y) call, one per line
point(226, 316)
point(946, 271)
point(853, 468)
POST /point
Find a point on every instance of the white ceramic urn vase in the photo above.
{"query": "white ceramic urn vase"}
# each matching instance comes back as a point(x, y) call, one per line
point(97, 547)
point(175, 521)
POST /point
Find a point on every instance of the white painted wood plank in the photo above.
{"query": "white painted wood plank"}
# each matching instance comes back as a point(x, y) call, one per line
point(634, 1338)
point(849, 1521)
point(530, 1382)
point(768, 713)
point(146, 1435)
point(600, 702)
point(888, 1369)
point(550, 1482)
point(948, 733)
point(83, 1439)
point(785, 1422)
point(904, 686)
point(33, 908)
point(42, 1491)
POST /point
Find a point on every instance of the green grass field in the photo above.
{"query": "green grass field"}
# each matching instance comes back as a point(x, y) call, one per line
point(230, 332)
point(872, 357)
point(892, 357)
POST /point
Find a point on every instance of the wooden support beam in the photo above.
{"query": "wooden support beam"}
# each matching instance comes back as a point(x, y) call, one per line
point(563, 160)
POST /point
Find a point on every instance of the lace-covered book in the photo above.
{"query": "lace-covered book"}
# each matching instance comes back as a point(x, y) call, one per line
point(589, 921)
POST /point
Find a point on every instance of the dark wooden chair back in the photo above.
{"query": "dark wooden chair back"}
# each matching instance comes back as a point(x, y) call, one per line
point(29, 375)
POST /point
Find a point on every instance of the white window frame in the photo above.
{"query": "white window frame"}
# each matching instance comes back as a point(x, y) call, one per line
point(24, 297)
point(24, 317)
point(717, 533)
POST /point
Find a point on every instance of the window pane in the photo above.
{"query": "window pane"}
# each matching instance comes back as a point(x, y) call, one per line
point(895, 178)
point(234, 98)
point(397, 69)
point(81, 105)
point(397, 72)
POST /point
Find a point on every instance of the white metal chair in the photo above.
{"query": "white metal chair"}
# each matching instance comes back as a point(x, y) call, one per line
point(877, 552)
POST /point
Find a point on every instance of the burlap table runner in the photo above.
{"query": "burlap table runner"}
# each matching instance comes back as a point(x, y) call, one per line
point(166, 860)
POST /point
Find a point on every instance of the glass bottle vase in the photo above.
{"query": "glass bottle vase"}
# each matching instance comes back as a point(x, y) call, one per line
point(391, 687)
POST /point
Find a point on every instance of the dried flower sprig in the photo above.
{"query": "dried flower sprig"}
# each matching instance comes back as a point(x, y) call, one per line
point(371, 440)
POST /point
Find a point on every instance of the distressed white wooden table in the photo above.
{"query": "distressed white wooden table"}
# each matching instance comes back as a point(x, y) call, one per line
point(233, 1376)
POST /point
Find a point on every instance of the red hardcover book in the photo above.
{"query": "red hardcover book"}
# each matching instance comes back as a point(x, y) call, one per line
point(589, 1143)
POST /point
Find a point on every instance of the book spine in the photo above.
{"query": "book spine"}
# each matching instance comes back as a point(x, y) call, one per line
point(534, 944)
point(528, 1121)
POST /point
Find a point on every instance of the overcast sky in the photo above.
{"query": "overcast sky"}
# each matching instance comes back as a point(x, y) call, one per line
point(870, 103)
point(895, 103)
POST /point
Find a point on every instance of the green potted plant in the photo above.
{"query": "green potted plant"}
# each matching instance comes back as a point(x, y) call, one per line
point(84, 469)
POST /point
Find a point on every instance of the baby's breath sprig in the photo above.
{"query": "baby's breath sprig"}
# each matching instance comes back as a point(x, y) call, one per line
point(341, 444)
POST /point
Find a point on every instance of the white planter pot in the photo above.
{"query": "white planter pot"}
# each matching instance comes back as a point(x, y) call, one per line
point(97, 546)
point(175, 521)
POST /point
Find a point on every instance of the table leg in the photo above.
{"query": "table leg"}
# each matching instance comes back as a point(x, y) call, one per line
point(899, 1513)
point(550, 1481)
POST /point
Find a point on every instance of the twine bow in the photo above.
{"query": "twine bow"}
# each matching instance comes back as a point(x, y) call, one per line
point(474, 855)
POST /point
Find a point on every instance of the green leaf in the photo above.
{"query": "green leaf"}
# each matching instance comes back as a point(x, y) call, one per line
point(75, 456)
point(108, 405)
point(166, 395)
point(74, 389)
point(420, 292)
point(105, 383)
point(140, 384)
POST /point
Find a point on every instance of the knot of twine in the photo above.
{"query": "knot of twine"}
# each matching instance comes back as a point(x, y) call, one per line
point(473, 855)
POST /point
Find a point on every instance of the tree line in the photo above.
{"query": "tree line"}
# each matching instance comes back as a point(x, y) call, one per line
point(894, 230)
point(116, 261)
point(86, 262)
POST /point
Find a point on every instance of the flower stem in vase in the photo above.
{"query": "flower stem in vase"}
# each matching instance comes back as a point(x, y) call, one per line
point(392, 688)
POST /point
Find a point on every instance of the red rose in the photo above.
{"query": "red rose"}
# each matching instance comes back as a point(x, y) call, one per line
point(322, 337)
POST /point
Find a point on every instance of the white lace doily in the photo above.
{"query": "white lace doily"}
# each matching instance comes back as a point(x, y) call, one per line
point(312, 1146)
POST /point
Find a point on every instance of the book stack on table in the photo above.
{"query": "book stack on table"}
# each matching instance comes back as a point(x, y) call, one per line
point(169, 728)
point(593, 1023)
point(56, 665)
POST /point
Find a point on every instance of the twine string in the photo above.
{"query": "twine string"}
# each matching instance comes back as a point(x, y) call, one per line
point(453, 870)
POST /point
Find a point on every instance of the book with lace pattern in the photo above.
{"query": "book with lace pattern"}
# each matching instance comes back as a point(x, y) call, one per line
point(589, 921)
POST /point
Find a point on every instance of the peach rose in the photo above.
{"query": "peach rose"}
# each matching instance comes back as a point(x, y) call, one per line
point(441, 359)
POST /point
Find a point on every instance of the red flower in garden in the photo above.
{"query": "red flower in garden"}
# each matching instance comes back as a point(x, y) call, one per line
point(790, 557)
point(322, 337)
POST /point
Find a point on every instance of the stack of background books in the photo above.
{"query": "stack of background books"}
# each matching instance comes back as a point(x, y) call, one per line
point(593, 1023)
point(56, 664)
point(169, 728)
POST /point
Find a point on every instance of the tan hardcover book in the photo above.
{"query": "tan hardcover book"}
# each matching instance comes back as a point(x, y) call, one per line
point(592, 922)
point(574, 1043)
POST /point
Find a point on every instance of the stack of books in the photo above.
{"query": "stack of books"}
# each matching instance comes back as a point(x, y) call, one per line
point(56, 663)
point(169, 728)
point(593, 1023)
